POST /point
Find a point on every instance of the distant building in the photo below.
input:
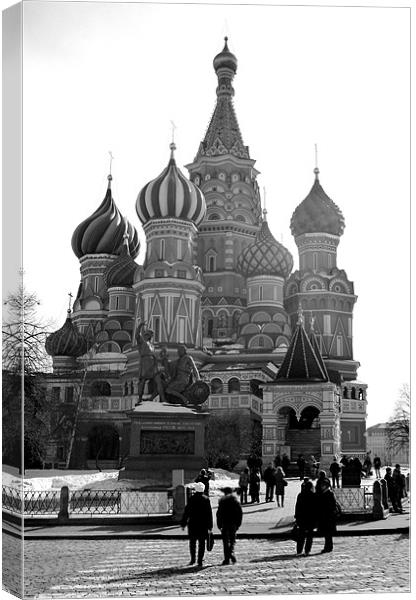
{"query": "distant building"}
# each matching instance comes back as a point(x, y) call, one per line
point(274, 346)
point(378, 445)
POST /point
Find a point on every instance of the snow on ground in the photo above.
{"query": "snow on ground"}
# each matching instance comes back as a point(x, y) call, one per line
point(104, 480)
point(108, 480)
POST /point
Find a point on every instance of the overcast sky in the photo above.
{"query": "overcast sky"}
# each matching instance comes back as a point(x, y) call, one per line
point(100, 77)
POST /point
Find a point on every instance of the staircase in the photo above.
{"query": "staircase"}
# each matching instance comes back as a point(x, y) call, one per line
point(302, 441)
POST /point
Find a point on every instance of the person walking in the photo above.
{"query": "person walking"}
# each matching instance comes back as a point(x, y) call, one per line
point(301, 462)
point(281, 483)
point(229, 518)
point(305, 517)
point(367, 464)
point(285, 463)
point(377, 466)
point(198, 517)
point(335, 469)
point(255, 486)
point(313, 466)
point(326, 515)
point(268, 476)
point(391, 489)
point(321, 481)
point(400, 486)
point(243, 485)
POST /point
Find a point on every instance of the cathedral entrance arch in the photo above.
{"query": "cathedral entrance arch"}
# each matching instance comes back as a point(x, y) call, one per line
point(299, 429)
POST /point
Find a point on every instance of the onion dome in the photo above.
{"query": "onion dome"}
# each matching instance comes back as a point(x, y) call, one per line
point(171, 196)
point(103, 231)
point(225, 59)
point(317, 213)
point(121, 272)
point(265, 256)
point(67, 341)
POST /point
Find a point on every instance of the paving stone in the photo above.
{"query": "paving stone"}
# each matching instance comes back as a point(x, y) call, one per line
point(113, 568)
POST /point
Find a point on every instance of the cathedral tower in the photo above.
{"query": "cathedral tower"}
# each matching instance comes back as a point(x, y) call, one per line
point(169, 290)
point(319, 286)
point(226, 174)
point(97, 242)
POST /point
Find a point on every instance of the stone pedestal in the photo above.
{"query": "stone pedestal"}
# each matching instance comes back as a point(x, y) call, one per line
point(165, 437)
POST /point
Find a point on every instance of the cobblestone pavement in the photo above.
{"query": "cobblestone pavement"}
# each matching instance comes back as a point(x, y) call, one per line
point(137, 568)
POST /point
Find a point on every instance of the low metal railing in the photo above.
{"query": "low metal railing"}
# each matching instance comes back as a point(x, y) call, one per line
point(86, 502)
point(29, 502)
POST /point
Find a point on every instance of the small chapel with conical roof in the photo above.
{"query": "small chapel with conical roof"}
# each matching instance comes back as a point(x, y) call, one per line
point(275, 346)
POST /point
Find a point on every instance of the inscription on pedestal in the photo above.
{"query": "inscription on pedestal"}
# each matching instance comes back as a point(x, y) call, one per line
point(167, 442)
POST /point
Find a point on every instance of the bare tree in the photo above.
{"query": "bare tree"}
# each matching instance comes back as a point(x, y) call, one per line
point(398, 427)
point(24, 335)
point(24, 363)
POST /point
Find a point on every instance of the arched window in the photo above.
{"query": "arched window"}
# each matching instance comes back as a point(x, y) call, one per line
point(126, 389)
point(222, 320)
point(353, 396)
point(240, 218)
point(360, 394)
point(233, 385)
point(131, 387)
point(216, 386)
point(162, 249)
point(210, 327)
point(211, 263)
point(100, 388)
point(214, 217)
point(345, 393)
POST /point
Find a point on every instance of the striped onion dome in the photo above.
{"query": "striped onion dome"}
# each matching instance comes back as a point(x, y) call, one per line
point(171, 196)
point(67, 341)
point(121, 272)
point(225, 59)
point(265, 256)
point(317, 213)
point(103, 231)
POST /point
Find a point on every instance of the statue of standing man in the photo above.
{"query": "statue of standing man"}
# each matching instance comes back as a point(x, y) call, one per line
point(148, 370)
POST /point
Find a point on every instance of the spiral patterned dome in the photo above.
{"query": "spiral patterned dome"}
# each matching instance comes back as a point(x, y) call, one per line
point(317, 213)
point(225, 59)
point(121, 272)
point(171, 196)
point(265, 256)
point(67, 341)
point(103, 231)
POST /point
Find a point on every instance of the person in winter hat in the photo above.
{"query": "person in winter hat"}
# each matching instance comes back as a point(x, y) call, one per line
point(198, 517)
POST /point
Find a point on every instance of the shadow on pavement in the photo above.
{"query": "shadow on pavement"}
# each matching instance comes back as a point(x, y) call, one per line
point(275, 558)
point(162, 573)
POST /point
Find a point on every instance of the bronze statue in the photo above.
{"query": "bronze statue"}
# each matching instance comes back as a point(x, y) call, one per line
point(149, 370)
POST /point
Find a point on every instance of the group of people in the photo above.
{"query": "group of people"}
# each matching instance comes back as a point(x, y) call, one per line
point(316, 507)
point(198, 518)
point(396, 487)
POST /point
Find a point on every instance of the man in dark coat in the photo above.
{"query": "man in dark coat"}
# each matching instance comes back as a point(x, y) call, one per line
point(198, 517)
point(305, 517)
point(335, 469)
point(285, 463)
point(229, 517)
point(326, 512)
point(391, 489)
point(321, 482)
point(269, 479)
point(301, 462)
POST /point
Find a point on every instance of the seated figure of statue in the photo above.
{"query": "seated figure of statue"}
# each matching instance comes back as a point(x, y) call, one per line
point(184, 372)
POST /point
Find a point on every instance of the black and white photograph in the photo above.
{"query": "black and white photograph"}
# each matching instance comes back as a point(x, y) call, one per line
point(206, 269)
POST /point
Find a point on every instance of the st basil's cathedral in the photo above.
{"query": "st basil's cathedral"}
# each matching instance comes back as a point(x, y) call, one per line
point(275, 346)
